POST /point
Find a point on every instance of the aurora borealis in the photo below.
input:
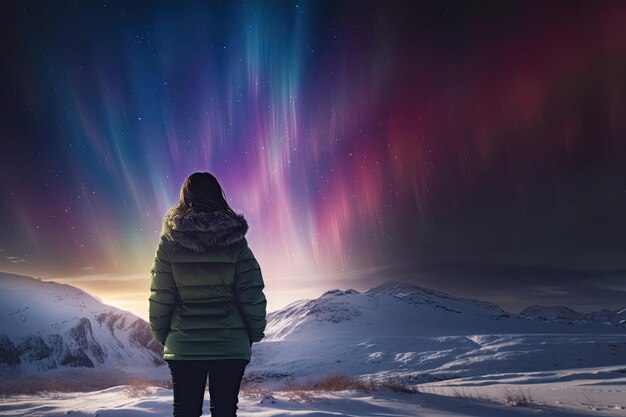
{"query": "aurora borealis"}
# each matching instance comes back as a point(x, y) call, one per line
point(473, 147)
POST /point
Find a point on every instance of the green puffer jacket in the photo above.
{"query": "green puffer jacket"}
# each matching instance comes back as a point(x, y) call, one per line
point(206, 299)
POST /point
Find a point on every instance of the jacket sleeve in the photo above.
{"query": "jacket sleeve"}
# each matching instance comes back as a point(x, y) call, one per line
point(163, 295)
point(250, 298)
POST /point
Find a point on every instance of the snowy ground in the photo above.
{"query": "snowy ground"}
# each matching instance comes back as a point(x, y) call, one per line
point(579, 392)
point(584, 391)
point(466, 358)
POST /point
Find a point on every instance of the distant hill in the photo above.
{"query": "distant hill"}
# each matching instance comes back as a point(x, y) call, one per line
point(402, 331)
point(566, 314)
point(394, 330)
point(400, 308)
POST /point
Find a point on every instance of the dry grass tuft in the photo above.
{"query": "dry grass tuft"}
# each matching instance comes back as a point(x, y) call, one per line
point(398, 386)
point(53, 383)
point(299, 391)
point(304, 391)
point(139, 387)
point(461, 393)
point(254, 390)
point(341, 382)
point(518, 398)
point(330, 382)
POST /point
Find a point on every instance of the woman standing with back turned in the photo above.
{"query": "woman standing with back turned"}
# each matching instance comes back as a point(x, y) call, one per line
point(207, 305)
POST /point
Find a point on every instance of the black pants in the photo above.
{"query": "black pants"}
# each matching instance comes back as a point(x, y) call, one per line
point(189, 381)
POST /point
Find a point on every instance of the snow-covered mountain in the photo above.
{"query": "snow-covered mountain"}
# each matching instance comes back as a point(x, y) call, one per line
point(47, 325)
point(400, 330)
point(400, 308)
point(566, 314)
point(394, 330)
point(560, 313)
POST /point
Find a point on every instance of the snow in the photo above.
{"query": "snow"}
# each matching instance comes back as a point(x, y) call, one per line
point(402, 331)
point(466, 357)
point(39, 317)
point(555, 395)
point(403, 309)
point(566, 314)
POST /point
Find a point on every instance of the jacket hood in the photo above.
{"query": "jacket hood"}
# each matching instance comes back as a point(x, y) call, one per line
point(199, 231)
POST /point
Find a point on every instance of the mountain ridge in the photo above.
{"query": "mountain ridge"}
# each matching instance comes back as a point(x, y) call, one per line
point(403, 332)
point(48, 325)
point(433, 311)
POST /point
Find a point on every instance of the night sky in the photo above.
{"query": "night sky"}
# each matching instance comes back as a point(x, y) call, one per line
point(477, 148)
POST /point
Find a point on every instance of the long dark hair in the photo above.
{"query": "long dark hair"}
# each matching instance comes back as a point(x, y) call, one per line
point(200, 192)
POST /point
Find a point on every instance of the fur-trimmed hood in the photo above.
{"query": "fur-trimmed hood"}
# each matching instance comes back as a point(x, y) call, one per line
point(199, 231)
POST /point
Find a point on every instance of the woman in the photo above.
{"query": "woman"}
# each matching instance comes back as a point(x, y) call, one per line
point(207, 305)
